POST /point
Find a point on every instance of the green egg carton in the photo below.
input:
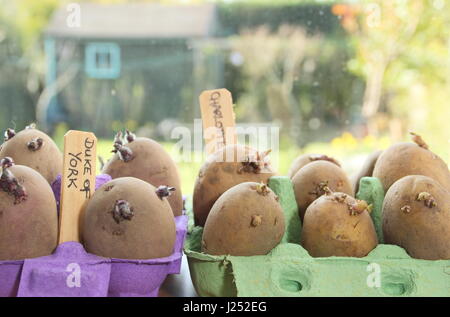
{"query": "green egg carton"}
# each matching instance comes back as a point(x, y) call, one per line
point(288, 270)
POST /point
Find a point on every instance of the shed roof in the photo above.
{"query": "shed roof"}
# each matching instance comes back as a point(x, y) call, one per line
point(136, 20)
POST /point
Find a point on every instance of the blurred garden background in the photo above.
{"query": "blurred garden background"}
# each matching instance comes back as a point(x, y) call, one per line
point(343, 78)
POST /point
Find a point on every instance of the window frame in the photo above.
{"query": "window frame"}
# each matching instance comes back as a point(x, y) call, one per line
point(92, 67)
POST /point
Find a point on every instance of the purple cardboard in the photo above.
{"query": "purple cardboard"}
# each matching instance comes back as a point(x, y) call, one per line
point(181, 223)
point(69, 272)
point(71, 266)
point(143, 278)
point(9, 277)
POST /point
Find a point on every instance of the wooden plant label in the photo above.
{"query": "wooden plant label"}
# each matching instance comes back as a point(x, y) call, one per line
point(218, 119)
point(78, 181)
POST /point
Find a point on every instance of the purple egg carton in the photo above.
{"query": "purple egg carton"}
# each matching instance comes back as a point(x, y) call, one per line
point(72, 272)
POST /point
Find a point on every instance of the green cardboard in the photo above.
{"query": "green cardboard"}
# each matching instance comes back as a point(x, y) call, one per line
point(371, 190)
point(288, 270)
point(285, 191)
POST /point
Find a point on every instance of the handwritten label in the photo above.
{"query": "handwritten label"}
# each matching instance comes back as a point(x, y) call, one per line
point(78, 181)
point(218, 119)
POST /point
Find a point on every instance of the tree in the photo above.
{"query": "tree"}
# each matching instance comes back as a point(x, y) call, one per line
point(272, 64)
point(402, 51)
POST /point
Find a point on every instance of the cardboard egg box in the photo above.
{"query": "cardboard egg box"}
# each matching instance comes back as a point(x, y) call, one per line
point(72, 272)
point(288, 270)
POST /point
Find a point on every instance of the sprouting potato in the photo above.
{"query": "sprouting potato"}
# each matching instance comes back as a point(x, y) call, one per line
point(310, 180)
point(28, 215)
point(246, 220)
point(405, 159)
point(128, 218)
point(337, 224)
point(229, 166)
point(35, 149)
point(147, 160)
point(304, 159)
point(416, 216)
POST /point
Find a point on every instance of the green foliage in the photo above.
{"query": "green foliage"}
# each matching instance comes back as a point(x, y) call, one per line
point(410, 44)
point(314, 16)
point(21, 58)
point(297, 80)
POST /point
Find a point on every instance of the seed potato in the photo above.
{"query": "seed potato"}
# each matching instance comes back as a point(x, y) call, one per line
point(147, 160)
point(128, 218)
point(405, 159)
point(35, 149)
point(232, 165)
point(246, 220)
point(337, 224)
point(28, 215)
point(304, 159)
point(310, 180)
point(416, 216)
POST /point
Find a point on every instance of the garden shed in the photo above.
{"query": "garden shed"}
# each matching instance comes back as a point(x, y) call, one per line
point(127, 61)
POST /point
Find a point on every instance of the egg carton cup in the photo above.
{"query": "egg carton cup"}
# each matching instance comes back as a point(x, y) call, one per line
point(289, 271)
point(72, 272)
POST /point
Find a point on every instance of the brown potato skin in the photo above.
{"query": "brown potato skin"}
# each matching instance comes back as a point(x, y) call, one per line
point(298, 163)
point(367, 169)
point(28, 229)
point(229, 230)
point(405, 159)
point(423, 232)
point(308, 178)
point(303, 160)
point(149, 234)
point(330, 230)
point(48, 160)
point(151, 164)
point(217, 177)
